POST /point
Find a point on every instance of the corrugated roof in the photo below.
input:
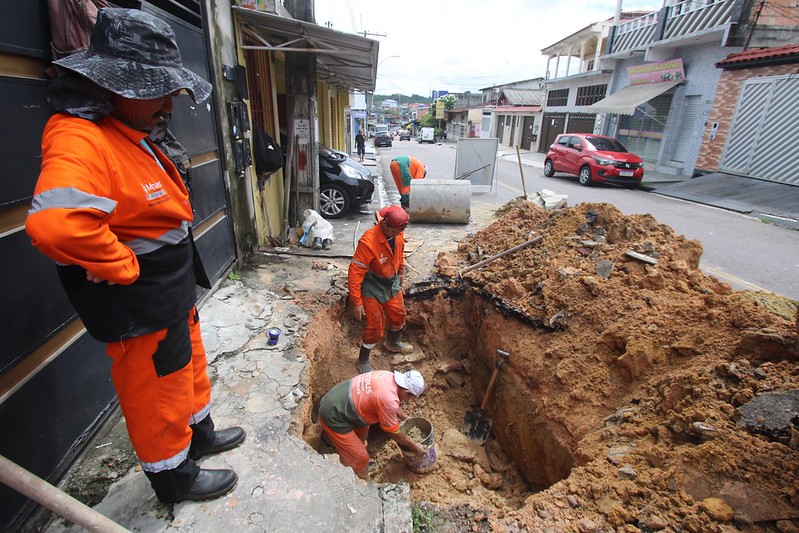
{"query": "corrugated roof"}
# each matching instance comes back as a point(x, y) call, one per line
point(526, 97)
point(516, 109)
point(342, 59)
point(788, 51)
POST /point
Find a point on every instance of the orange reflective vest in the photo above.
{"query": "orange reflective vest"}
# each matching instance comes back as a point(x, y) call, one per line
point(109, 203)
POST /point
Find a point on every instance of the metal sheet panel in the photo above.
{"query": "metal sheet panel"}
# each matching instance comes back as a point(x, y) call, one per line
point(475, 160)
point(34, 304)
point(25, 112)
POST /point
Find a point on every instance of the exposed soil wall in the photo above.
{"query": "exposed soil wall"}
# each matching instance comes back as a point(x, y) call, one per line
point(627, 389)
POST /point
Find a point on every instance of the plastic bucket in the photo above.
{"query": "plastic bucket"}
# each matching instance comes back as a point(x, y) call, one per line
point(421, 464)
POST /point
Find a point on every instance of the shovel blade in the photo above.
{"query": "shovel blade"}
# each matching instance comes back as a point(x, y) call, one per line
point(476, 425)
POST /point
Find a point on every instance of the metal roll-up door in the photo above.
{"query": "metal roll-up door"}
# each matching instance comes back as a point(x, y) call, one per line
point(685, 138)
point(764, 115)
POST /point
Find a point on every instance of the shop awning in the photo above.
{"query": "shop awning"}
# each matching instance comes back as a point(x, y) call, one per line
point(342, 59)
point(624, 101)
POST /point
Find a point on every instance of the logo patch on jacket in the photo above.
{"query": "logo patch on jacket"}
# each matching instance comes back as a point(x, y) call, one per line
point(154, 193)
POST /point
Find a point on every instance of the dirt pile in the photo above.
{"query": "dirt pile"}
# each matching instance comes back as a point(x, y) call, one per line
point(640, 395)
point(631, 381)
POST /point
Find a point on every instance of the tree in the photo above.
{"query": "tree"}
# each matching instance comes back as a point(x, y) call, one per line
point(449, 101)
point(428, 121)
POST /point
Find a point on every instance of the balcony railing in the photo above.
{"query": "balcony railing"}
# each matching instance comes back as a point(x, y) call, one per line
point(696, 16)
point(682, 19)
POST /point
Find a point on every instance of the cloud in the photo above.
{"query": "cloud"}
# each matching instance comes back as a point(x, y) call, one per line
point(462, 45)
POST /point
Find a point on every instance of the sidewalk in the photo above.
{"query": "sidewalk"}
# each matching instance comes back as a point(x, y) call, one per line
point(284, 485)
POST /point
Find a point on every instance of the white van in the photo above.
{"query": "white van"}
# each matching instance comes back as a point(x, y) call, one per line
point(381, 128)
point(427, 135)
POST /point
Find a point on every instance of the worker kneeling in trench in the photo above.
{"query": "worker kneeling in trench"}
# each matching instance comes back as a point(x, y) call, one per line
point(349, 408)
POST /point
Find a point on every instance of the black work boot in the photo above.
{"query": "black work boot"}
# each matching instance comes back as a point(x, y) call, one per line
point(206, 441)
point(363, 360)
point(190, 482)
point(395, 344)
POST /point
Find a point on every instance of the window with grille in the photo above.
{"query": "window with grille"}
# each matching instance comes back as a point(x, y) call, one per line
point(590, 94)
point(558, 97)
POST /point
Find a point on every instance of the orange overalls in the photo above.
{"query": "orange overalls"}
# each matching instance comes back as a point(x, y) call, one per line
point(374, 266)
point(109, 203)
point(403, 169)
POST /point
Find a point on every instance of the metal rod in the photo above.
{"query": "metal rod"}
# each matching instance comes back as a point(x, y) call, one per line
point(59, 502)
point(501, 254)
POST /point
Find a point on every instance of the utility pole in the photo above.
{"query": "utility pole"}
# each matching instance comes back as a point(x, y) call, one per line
point(752, 26)
point(302, 189)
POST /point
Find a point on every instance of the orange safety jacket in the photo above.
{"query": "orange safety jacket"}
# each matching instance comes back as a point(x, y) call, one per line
point(404, 169)
point(374, 255)
point(109, 203)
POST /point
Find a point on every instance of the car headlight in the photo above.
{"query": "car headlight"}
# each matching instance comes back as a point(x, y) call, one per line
point(350, 172)
point(602, 161)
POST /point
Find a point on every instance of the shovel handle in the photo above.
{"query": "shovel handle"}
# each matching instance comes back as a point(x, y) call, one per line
point(500, 361)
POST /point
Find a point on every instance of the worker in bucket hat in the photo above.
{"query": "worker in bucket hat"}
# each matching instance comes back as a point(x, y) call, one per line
point(349, 408)
point(111, 209)
point(375, 287)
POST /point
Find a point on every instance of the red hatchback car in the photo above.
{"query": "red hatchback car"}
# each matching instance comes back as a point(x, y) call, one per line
point(594, 158)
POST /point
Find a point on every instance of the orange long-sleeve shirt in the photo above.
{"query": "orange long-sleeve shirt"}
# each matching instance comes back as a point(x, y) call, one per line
point(374, 254)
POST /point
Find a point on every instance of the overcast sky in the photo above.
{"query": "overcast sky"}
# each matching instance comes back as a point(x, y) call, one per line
point(463, 45)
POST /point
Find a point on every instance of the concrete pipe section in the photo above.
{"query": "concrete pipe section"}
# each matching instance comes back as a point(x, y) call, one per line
point(440, 201)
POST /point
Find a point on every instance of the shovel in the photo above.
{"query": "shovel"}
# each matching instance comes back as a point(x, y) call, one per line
point(476, 424)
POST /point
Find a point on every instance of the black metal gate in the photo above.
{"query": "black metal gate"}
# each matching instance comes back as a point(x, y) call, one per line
point(55, 388)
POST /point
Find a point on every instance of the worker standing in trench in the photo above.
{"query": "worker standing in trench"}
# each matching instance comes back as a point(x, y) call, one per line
point(404, 169)
point(349, 408)
point(375, 284)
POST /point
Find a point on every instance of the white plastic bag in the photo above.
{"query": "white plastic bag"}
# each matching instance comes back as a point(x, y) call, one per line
point(315, 227)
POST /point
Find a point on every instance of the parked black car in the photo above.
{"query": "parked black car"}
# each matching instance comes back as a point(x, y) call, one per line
point(382, 139)
point(344, 184)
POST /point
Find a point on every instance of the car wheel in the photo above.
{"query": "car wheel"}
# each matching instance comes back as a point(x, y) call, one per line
point(585, 176)
point(334, 202)
point(549, 170)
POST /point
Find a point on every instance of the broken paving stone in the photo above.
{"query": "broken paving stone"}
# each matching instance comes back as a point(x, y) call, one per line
point(641, 257)
point(771, 413)
point(604, 268)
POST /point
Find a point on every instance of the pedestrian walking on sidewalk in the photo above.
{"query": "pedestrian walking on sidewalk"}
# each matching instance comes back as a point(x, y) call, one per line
point(375, 284)
point(112, 210)
point(404, 169)
point(360, 145)
point(349, 408)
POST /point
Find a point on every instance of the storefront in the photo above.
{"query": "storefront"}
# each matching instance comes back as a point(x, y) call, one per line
point(643, 107)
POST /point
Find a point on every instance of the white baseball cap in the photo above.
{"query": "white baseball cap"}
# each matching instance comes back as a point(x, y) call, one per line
point(410, 380)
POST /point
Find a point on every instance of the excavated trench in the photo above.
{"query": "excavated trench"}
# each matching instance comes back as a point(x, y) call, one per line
point(456, 334)
point(629, 372)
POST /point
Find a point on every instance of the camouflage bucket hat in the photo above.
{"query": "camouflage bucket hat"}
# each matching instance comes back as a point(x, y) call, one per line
point(135, 55)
